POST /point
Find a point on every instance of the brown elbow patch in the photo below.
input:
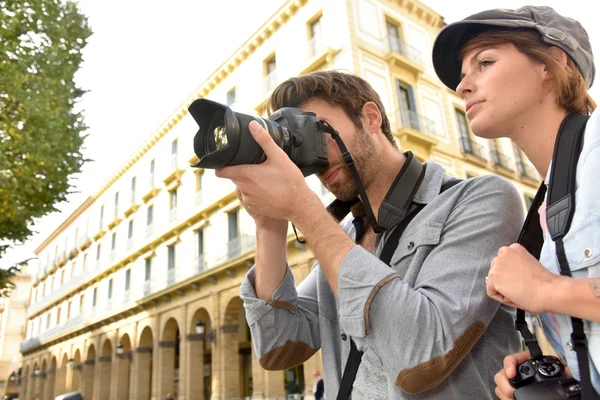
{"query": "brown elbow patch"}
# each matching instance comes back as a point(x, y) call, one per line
point(372, 296)
point(282, 304)
point(429, 374)
point(287, 356)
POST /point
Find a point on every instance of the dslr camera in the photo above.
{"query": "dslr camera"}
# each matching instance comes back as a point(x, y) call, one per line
point(544, 378)
point(224, 139)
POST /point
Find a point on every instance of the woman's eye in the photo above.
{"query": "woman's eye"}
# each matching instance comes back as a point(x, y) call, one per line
point(485, 63)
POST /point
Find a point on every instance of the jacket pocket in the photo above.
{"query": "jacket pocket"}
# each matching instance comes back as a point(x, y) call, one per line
point(416, 242)
point(582, 245)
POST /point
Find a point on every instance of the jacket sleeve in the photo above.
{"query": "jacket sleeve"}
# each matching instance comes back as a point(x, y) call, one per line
point(444, 310)
point(285, 329)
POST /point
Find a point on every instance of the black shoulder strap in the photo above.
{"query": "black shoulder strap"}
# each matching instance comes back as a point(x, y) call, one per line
point(560, 208)
point(355, 356)
point(559, 214)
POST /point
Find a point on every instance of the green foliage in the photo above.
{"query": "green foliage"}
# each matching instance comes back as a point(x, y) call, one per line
point(40, 133)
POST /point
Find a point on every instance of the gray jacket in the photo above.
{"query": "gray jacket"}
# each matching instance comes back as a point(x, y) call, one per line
point(426, 326)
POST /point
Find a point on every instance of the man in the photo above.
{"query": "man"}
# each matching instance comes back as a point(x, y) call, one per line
point(319, 386)
point(425, 325)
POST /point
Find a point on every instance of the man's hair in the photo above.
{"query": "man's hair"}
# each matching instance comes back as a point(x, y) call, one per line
point(571, 89)
point(350, 92)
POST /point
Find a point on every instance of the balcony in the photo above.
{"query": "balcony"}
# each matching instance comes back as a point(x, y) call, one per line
point(84, 242)
point(199, 264)
point(473, 151)
point(269, 81)
point(151, 190)
point(405, 56)
point(500, 160)
point(173, 215)
point(126, 297)
point(199, 198)
point(416, 132)
point(171, 276)
point(527, 172)
point(315, 46)
point(148, 286)
point(130, 243)
point(236, 248)
point(149, 230)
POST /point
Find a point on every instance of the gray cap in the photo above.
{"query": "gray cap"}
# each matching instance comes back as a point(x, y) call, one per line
point(554, 29)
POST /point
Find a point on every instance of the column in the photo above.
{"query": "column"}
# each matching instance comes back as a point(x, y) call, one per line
point(166, 374)
point(195, 367)
point(49, 387)
point(141, 383)
point(121, 376)
point(230, 361)
point(39, 385)
point(102, 378)
point(87, 384)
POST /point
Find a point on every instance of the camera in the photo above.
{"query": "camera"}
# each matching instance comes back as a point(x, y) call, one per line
point(224, 139)
point(544, 378)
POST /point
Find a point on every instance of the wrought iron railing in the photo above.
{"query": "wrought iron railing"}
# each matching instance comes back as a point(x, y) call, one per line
point(501, 160)
point(400, 46)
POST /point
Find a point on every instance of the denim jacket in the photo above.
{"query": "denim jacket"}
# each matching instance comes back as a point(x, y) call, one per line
point(426, 326)
point(582, 248)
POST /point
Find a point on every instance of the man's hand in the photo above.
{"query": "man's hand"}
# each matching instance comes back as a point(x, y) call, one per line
point(503, 388)
point(517, 279)
point(273, 190)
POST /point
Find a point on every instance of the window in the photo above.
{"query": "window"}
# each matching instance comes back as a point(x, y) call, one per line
point(69, 310)
point(151, 173)
point(98, 251)
point(127, 279)
point(393, 35)
point(130, 229)
point(408, 106)
point(465, 138)
point(171, 257)
point(62, 277)
point(199, 176)
point(84, 266)
point(270, 70)
point(148, 270)
point(231, 97)
point(113, 242)
point(200, 242)
point(58, 316)
point(528, 201)
point(48, 316)
point(174, 153)
point(173, 199)
point(101, 216)
point(116, 204)
point(81, 302)
point(94, 296)
point(133, 183)
point(150, 215)
point(314, 37)
point(110, 287)
point(233, 224)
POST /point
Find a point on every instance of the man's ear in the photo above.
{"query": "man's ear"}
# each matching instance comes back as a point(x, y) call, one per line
point(371, 117)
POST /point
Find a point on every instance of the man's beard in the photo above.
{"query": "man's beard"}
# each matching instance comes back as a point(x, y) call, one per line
point(365, 161)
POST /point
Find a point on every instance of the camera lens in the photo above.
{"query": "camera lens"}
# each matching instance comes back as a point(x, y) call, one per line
point(220, 137)
point(548, 369)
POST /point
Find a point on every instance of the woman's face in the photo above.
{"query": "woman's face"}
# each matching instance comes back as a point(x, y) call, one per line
point(502, 88)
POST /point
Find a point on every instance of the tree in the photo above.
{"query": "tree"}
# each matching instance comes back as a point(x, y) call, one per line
point(40, 132)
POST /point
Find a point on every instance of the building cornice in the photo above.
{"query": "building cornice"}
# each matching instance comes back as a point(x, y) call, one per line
point(281, 16)
point(421, 12)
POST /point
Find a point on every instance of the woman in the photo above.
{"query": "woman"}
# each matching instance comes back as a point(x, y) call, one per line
point(520, 73)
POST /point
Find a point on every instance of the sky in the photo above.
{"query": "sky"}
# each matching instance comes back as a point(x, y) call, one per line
point(146, 57)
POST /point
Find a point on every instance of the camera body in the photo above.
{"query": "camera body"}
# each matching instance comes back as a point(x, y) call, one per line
point(544, 378)
point(224, 139)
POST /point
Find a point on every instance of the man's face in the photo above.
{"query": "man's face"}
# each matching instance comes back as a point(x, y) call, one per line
point(337, 177)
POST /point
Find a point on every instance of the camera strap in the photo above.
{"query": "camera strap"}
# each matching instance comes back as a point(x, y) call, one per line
point(559, 214)
point(415, 175)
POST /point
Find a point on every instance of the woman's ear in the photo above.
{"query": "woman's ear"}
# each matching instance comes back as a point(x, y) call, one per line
point(371, 117)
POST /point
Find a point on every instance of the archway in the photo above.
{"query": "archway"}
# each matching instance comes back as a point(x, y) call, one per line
point(61, 376)
point(141, 386)
point(123, 368)
point(104, 370)
point(88, 373)
point(77, 370)
point(50, 379)
point(199, 342)
point(169, 347)
point(236, 335)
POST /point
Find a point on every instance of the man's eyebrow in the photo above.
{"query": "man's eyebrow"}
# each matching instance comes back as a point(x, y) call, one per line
point(474, 57)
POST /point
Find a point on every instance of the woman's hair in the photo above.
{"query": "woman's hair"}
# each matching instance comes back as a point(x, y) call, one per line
point(571, 89)
point(350, 92)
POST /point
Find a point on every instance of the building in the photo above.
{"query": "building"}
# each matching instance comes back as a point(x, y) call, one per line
point(13, 322)
point(137, 294)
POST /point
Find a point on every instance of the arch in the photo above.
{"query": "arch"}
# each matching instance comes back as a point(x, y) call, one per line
point(104, 369)
point(106, 348)
point(235, 330)
point(202, 315)
point(77, 370)
point(146, 337)
point(200, 356)
point(167, 321)
point(123, 364)
point(91, 352)
point(125, 341)
point(170, 329)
